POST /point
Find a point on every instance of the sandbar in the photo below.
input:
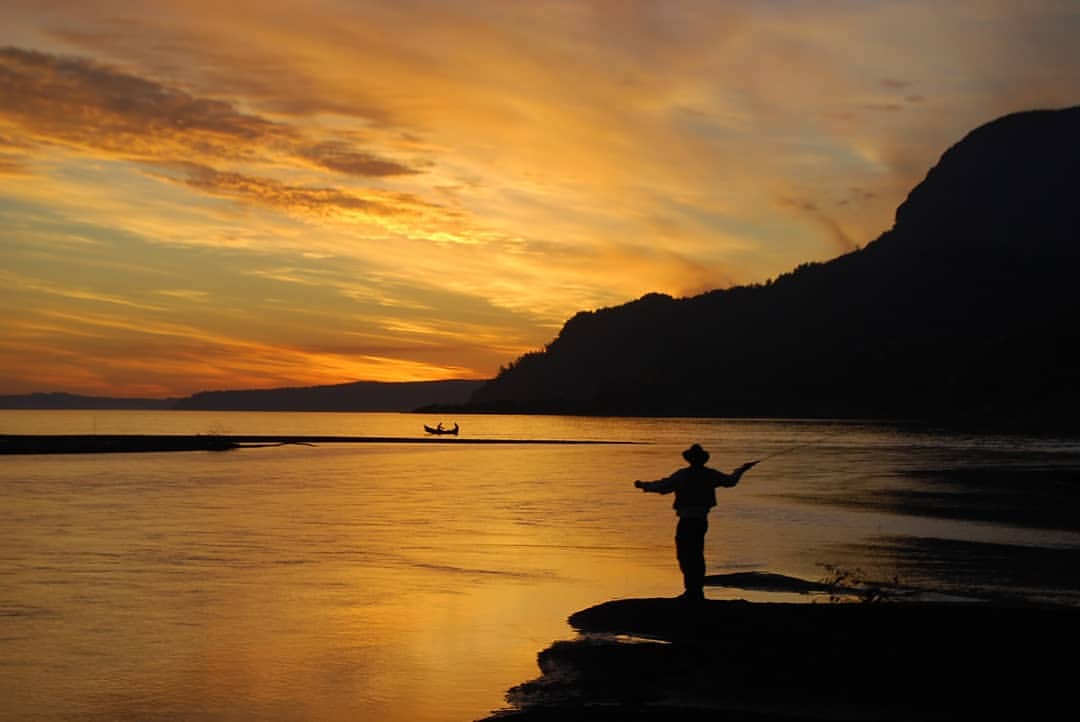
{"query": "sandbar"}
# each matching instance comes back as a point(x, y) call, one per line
point(129, 443)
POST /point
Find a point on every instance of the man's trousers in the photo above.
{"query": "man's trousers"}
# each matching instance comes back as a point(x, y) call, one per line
point(690, 550)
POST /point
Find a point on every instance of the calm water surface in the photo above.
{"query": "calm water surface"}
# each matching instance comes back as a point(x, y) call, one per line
point(418, 581)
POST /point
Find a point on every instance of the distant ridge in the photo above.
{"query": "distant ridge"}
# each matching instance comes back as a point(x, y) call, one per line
point(967, 308)
point(354, 396)
point(60, 400)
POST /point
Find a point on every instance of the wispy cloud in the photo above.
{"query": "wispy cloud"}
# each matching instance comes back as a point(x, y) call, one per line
point(337, 155)
point(13, 165)
point(90, 106)
point(186, 346)
point(14, 155)
point(842, 240)
point(80, 294)
point(187, 294)
point(306, 200)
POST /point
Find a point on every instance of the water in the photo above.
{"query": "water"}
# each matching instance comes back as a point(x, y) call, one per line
point(418, 581)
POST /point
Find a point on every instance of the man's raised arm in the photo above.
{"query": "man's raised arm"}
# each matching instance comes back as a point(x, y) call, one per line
point(732, 479)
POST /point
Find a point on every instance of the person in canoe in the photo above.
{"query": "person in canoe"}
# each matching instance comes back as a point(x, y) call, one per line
point(695, 494)
point(440, 429)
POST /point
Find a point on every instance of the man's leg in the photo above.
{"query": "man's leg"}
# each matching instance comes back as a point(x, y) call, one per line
point(690, 550)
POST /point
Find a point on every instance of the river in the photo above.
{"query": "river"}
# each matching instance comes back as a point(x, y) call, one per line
point(418, 581)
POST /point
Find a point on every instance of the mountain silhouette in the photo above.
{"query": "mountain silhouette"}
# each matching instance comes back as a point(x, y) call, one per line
point(966, 308)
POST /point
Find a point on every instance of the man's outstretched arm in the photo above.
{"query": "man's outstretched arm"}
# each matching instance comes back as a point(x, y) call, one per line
point(660, 486)
point(732, 479)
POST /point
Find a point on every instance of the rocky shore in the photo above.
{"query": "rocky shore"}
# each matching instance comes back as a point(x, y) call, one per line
point(666, 659)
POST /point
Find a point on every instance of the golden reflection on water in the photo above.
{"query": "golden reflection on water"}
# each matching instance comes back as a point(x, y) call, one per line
point(385, 582)
point(295, 583)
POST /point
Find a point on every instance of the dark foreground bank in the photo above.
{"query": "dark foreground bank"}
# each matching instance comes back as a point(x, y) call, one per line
point(663, 659)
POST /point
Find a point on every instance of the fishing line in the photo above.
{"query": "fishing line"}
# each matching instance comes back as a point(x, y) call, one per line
point(803, 444)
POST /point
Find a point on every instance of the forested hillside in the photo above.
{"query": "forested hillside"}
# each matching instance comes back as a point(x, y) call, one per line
point(967, 307)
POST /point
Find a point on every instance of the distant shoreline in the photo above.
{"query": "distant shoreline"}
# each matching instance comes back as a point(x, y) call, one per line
point(353, 396)
point(987, 424)
point(24, 444)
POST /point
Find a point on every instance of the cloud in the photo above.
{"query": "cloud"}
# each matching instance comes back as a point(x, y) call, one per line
point(886, 107)
point(276, 194)
point(195, 42)
point(14, 155)
point(339, 156)
point(83, 104)
point(894, 84)
point(79, 294)
point(834, 231)
point(186, 294)
point(13, 165)
point(400, 213)
point(79, 102)
point(174, 347)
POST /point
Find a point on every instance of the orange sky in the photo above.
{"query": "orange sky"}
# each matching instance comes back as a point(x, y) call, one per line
point(203, 195)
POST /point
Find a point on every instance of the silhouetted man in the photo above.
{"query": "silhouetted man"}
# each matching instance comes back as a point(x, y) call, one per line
point(695, 494)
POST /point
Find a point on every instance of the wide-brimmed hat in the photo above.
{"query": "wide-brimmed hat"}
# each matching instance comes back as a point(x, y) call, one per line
point(696, 455)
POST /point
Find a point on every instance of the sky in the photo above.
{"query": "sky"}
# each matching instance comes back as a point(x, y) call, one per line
point(208, 194)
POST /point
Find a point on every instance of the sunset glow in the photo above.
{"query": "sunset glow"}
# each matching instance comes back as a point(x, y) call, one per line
point(206, 195)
